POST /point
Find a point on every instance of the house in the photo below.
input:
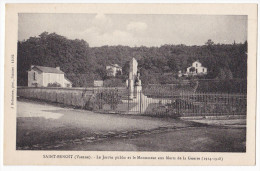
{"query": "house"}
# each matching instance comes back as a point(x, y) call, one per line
point(40, 76)
point(113, 69)
point(196, 69)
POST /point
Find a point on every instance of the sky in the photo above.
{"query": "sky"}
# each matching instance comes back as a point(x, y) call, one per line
point(136, 29)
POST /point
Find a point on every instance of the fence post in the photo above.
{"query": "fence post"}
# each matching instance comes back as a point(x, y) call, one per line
point(56, 94)
point(127, 100)
point(71, 100)
point(63, 97)
point(140, 101)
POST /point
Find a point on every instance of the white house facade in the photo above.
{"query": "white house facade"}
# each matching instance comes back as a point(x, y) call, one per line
point(113, 69)
point(196, 69)
point(40, 76)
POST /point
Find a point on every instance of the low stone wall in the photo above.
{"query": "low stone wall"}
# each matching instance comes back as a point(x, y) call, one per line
point(77, 97)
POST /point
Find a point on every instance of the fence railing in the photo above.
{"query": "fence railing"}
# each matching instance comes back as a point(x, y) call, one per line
point(118, 100)
point(202, 105)
point(173, 105)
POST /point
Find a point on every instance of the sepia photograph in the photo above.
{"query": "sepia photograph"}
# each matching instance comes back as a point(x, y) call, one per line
point(95, 84)
point(118, 82)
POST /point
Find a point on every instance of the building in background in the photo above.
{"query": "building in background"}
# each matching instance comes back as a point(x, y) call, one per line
point(98, 83)
point(196, 69)
point(113, 70)
point(40, 76)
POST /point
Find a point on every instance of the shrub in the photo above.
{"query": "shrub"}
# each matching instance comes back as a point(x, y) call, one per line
point(55, 84)
point(178, 107)
point(35, 84)
point(110, 97)
point(90, 103)
point(223, 86)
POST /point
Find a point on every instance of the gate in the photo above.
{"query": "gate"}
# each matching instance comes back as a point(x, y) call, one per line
point(119, 100)
point(111, 100)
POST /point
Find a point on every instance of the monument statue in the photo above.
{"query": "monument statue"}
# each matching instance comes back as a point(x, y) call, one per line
point(137, 80)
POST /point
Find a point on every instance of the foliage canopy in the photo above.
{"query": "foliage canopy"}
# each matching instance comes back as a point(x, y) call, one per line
point(83, 64)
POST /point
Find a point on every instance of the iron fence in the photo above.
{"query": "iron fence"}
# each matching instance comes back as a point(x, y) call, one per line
point(145, 102)
point(171, 104)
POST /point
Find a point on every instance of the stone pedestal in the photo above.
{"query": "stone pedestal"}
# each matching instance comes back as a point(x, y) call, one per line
point(138, 89)
point(131, 88)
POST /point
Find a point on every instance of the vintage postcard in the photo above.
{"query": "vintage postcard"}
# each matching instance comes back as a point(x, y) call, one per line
point(130, 84)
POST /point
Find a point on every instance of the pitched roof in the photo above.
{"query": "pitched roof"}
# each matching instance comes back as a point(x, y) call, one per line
point(67, 79)
point(116, 65)
point(49, 69)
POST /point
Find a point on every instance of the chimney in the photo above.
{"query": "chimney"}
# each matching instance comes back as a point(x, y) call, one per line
point(32, 66)
point(58, 68)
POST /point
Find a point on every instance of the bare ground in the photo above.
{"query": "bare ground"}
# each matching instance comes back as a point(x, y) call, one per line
point(42, 126)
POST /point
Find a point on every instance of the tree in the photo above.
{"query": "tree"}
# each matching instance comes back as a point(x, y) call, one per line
point(209, 43)
point(110, 72)
point(229, 74)
point(173, 64)
point(83, 64)
point(102, 73)
point(125, 68)
point(222, 74)
point(44, 35)
point(118, 73)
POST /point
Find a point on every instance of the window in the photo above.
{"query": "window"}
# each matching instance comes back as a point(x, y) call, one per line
point(34, 76)
point(203, 69)
point(196, 64)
